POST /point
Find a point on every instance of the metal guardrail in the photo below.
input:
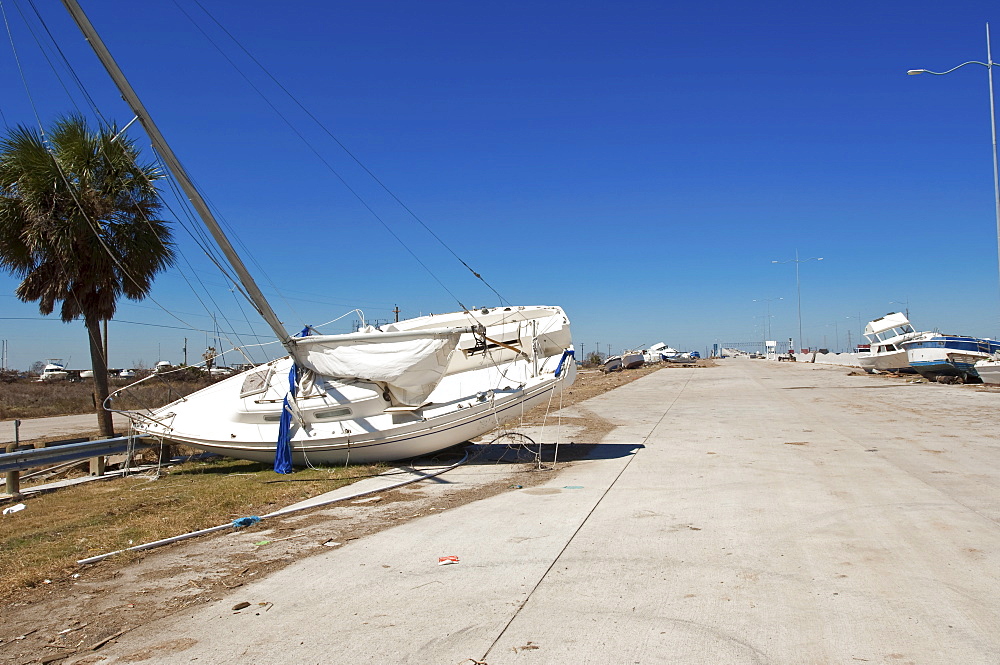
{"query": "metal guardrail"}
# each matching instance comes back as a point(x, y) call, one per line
point(26, 459)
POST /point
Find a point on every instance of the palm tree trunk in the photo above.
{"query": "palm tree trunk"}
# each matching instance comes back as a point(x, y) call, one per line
point(99, 362)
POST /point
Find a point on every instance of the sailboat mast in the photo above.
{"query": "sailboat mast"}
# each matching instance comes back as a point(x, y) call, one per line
point(174, 165)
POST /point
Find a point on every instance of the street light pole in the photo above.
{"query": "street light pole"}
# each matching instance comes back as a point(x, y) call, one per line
point(798, 284)
point(768, 301)
point(993, 126)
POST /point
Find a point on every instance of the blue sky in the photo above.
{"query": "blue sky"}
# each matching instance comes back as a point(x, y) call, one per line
point(639, 164)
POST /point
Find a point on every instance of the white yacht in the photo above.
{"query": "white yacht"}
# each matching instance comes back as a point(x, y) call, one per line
point(885, 336)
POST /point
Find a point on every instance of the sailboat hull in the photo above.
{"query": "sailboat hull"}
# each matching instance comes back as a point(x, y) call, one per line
point(356, 421)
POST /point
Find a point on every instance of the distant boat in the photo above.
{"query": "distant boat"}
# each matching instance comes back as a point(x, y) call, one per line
point(612, 364)
point(126, 374)
point(652, 354)
point(54, 371)
point(885, 337)
point(667, 353)
point(632, 359)
point(940, 356)
point(989, 369)
point(680, 357)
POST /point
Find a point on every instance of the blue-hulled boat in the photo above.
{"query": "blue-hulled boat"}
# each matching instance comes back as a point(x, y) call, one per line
point(949, 355)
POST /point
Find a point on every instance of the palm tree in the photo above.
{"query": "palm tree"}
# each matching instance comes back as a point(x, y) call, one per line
point(78, 226)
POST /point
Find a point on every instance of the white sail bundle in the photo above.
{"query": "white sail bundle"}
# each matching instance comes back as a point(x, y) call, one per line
point(408, 364)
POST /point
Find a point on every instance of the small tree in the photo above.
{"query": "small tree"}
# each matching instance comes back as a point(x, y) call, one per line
point(78, 225)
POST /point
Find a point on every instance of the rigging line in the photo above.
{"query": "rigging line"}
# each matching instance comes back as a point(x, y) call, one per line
point(97, 112)
point(95, 344)
point(199, 235)
point(194, 229)
point(134, 323)
point(343, 147)
point(68, 66)
point(104, 122)
point(324, 161)
point(45, 140)
point(17, 60)
point(585, 520)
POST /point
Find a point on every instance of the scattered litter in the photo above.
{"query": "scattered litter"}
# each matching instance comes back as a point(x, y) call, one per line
point(371, 499)
point(516, 487)
point(331, 543)
point(14, 509)
point(796, 443)
point(445, 560)
point(245, 521)
point(263, 542)
point(46, 581)
point(240, 606)
point(573, 487)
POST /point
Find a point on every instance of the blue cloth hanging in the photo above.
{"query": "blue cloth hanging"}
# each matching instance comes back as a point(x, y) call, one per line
point(568, 353)
point(283, 448)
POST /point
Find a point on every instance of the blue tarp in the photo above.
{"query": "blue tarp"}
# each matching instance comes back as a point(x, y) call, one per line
point(568, 353)
point(283, 448)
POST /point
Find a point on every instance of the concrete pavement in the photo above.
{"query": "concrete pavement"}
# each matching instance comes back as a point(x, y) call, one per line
point(67, 426)
point(753, 512)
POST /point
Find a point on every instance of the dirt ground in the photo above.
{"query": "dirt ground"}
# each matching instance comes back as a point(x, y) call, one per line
point(72, 617)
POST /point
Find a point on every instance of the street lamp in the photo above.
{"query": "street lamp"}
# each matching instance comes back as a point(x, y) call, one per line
point(798, 284)
point(768, 301)
point(993, 125)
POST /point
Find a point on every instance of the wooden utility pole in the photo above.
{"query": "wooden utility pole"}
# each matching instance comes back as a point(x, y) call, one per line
point(396, 312)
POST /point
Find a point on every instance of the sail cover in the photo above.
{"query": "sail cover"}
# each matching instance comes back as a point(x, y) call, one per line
point(408, 364)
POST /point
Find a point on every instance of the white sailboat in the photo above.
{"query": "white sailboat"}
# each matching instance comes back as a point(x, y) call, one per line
point(405, 389)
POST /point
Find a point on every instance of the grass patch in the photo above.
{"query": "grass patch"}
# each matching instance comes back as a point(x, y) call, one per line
point(45, 540)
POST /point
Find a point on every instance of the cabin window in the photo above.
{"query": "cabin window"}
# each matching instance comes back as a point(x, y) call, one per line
point(335, 413)
point(272, 419)
point(256, 382)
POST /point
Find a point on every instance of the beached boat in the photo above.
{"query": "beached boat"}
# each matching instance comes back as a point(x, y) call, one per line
point(652, 354)
point(989, 369)
point(404, 389)
point(632, 359)
point(885, 337)
point(667, 353)
point(612, 364)
point(54, 370)
point(939, 356)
